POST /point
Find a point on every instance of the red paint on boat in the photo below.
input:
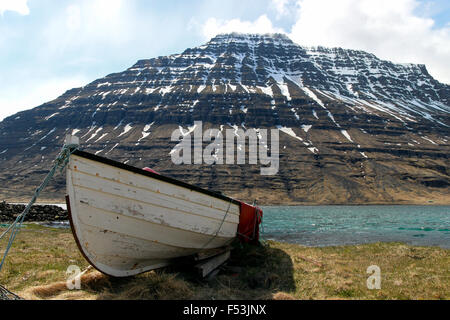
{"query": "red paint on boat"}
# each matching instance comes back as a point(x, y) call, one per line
point(150, 170)
point(249, 220)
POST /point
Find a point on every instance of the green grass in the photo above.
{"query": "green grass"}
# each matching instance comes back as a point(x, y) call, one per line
point(36, 266)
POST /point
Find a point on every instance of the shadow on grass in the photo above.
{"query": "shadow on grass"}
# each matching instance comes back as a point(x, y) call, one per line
point(263, 267)
point(252, 272)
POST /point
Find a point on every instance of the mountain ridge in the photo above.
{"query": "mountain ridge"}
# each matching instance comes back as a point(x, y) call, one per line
point(353, 128)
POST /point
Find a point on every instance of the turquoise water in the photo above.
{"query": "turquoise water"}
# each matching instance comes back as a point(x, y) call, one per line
point(343, 225)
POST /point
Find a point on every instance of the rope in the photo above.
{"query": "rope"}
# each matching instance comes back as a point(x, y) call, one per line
point(60, 162)
point(261, 232)
point(220, 227)
point(5, 294)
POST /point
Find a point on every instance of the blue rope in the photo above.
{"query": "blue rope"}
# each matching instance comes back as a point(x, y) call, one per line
point(60, 162)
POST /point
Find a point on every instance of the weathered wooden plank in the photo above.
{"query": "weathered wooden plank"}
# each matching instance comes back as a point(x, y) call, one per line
point(209, 265)
point(213, 274)
point(144, 230)
point(143, 196)
point(154, 213)
point(210, 253)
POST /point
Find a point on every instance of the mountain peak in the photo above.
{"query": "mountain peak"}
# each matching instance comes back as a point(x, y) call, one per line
point(250, 37)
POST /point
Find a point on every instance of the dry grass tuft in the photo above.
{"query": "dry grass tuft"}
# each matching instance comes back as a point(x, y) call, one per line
point(46, 291)
point(95, 281)
point(154, 285)
point(282, 296)
point(90, 282)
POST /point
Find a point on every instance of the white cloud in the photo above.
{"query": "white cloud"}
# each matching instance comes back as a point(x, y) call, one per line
point(88, 24)
point(19, 6)
point(261, 25)
point(78, 42)
point(81, 35)
point(282, 7)
point(392, 30)
point(31, 95)
point(73, 20)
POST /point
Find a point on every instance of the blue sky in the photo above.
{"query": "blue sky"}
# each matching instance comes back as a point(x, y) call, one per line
point(49, 46)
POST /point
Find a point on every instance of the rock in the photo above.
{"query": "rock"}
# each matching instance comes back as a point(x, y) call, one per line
point(37, 213)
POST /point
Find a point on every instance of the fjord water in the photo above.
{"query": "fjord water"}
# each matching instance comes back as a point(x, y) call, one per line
point(345, 225)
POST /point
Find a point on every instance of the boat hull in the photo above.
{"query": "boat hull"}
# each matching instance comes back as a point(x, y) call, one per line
point(127, 222)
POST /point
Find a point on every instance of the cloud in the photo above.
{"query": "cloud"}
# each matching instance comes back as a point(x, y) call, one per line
point(87, 24)
point(83, 35)
point(392, 30)
point(30, 94)
point(73, 18)
point(282, 7)
point(70, 43)
point(19, 6)
point(261, 25)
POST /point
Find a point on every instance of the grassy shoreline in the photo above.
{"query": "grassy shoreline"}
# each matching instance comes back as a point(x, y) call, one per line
point(36, 269)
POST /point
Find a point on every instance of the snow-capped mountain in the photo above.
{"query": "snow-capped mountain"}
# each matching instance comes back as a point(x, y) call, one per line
point(353, 128)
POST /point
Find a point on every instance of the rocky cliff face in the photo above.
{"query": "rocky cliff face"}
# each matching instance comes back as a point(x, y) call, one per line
point(353, 128)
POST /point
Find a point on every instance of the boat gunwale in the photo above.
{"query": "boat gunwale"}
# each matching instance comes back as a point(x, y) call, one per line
point(136, 170)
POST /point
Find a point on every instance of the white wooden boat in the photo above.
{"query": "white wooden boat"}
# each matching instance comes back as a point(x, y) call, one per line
point(127, 221)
